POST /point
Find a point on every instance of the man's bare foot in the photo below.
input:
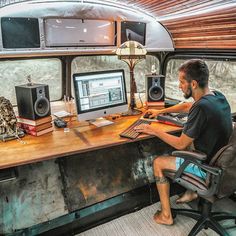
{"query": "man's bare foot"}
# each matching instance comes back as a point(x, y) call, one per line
point(188, 196)
point(160, 218)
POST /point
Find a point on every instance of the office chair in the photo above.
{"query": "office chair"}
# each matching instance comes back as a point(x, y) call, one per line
point(220, 182)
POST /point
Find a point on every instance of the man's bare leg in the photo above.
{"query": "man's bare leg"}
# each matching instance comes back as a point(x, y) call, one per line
point(163, 187)
point(188, 196)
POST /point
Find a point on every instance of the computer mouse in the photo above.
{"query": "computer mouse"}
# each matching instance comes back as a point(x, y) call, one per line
point(147, 116)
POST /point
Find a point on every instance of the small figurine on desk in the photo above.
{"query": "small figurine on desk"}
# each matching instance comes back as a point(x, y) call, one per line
point(153, 70)
point(8, 122)
point(30, 83)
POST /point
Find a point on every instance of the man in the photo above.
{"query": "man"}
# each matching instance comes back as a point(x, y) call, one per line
point(207, 129)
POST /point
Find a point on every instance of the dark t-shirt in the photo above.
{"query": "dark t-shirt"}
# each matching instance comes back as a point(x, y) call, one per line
point(209, 124)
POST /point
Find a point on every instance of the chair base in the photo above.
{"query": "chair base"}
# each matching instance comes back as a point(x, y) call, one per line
point(205, 218)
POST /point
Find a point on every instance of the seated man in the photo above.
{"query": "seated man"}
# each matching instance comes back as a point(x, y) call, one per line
point(207, 129)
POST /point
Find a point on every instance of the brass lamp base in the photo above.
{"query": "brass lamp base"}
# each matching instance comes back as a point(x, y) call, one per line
point(131, 112)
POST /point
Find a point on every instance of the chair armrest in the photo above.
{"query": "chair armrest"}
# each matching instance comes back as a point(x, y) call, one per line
point(210, 169)
point(190, 155)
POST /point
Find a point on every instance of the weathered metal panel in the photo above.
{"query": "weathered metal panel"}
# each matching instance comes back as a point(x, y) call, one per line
point(44, 192)
point(95, 176)
point(34, 197)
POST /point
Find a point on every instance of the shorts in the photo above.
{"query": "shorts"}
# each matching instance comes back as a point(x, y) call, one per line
point(191, 168)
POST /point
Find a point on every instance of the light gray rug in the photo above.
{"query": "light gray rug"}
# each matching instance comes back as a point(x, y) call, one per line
point(141, 223)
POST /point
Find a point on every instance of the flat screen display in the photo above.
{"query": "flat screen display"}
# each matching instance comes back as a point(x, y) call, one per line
point(131, 30)
point(20, 32)
point(99, 93)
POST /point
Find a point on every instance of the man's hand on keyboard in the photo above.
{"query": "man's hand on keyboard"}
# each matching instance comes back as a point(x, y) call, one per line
point(147, 129)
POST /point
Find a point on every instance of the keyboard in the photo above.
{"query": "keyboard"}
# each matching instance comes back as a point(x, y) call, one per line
point(177, 119)
point(130, 132)
point(173, 119)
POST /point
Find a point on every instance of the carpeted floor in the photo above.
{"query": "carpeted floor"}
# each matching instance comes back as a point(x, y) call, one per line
point(141, 223)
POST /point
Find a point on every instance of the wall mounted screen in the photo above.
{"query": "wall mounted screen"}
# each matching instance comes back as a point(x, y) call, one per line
point(79, 32)
point(20, 32)
point(133, 31)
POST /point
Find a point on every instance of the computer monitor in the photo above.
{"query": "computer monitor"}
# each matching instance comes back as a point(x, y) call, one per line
point(100, 93)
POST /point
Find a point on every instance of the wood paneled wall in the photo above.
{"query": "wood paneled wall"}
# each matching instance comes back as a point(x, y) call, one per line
point(215, 30)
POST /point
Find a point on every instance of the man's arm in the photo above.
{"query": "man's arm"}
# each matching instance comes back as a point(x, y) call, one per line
point(180, 143)
point(183, 107)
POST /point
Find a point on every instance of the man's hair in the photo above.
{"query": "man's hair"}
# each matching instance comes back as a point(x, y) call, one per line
point(196, 69)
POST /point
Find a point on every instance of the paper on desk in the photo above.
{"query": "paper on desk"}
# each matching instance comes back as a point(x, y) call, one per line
point(61, 114)
point(101, 122)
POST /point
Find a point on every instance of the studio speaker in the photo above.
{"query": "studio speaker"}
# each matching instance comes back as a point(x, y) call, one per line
point(155, 88)
point(33, 101)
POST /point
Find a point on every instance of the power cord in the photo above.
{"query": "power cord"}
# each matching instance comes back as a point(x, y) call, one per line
point(140, 101)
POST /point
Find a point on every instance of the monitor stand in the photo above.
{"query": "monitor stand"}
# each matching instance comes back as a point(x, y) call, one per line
point(100, 122)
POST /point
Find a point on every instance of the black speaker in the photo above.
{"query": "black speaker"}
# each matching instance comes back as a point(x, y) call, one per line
point(155, 88)
point(33, 101)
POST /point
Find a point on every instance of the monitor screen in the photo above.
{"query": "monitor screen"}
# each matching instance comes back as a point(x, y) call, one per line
point(20, 32)
point(131, 30)
point(100, 93)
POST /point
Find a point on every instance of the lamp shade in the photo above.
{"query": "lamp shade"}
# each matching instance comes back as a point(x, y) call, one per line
point(131, 50)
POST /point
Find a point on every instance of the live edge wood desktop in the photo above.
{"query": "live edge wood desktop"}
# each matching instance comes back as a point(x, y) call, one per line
point(80, 138)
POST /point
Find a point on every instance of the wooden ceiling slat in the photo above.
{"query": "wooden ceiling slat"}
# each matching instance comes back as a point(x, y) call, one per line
point(214, 42)
point(227, 12)
point(222, 33)
point(201, 27)
point(185, 8)
point(142, 4)
point(170, 4)
point(204, 47)
point(213, 37)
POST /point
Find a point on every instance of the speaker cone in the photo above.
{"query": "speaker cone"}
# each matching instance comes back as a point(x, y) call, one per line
point(156, 93)
point(41, 106)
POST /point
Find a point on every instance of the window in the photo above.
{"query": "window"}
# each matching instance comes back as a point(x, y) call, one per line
point(222, 77)
point(96, 63)
point(42, 71)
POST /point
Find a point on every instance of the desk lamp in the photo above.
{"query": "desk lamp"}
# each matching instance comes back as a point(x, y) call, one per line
point(131, 52)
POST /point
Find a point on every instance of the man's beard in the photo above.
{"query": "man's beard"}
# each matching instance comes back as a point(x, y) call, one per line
point(189, 92)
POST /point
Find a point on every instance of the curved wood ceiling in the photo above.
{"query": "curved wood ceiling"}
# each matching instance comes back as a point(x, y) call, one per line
point(202, 24)
point(193, 24)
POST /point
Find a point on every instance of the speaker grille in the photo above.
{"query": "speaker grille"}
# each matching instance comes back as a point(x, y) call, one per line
point(156, 93)
point(41, 107)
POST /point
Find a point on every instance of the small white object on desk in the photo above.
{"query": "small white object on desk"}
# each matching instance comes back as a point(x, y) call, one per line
point(61, 114)
point(101, 122)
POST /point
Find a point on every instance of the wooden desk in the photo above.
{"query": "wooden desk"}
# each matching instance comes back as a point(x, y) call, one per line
point(61, 144)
